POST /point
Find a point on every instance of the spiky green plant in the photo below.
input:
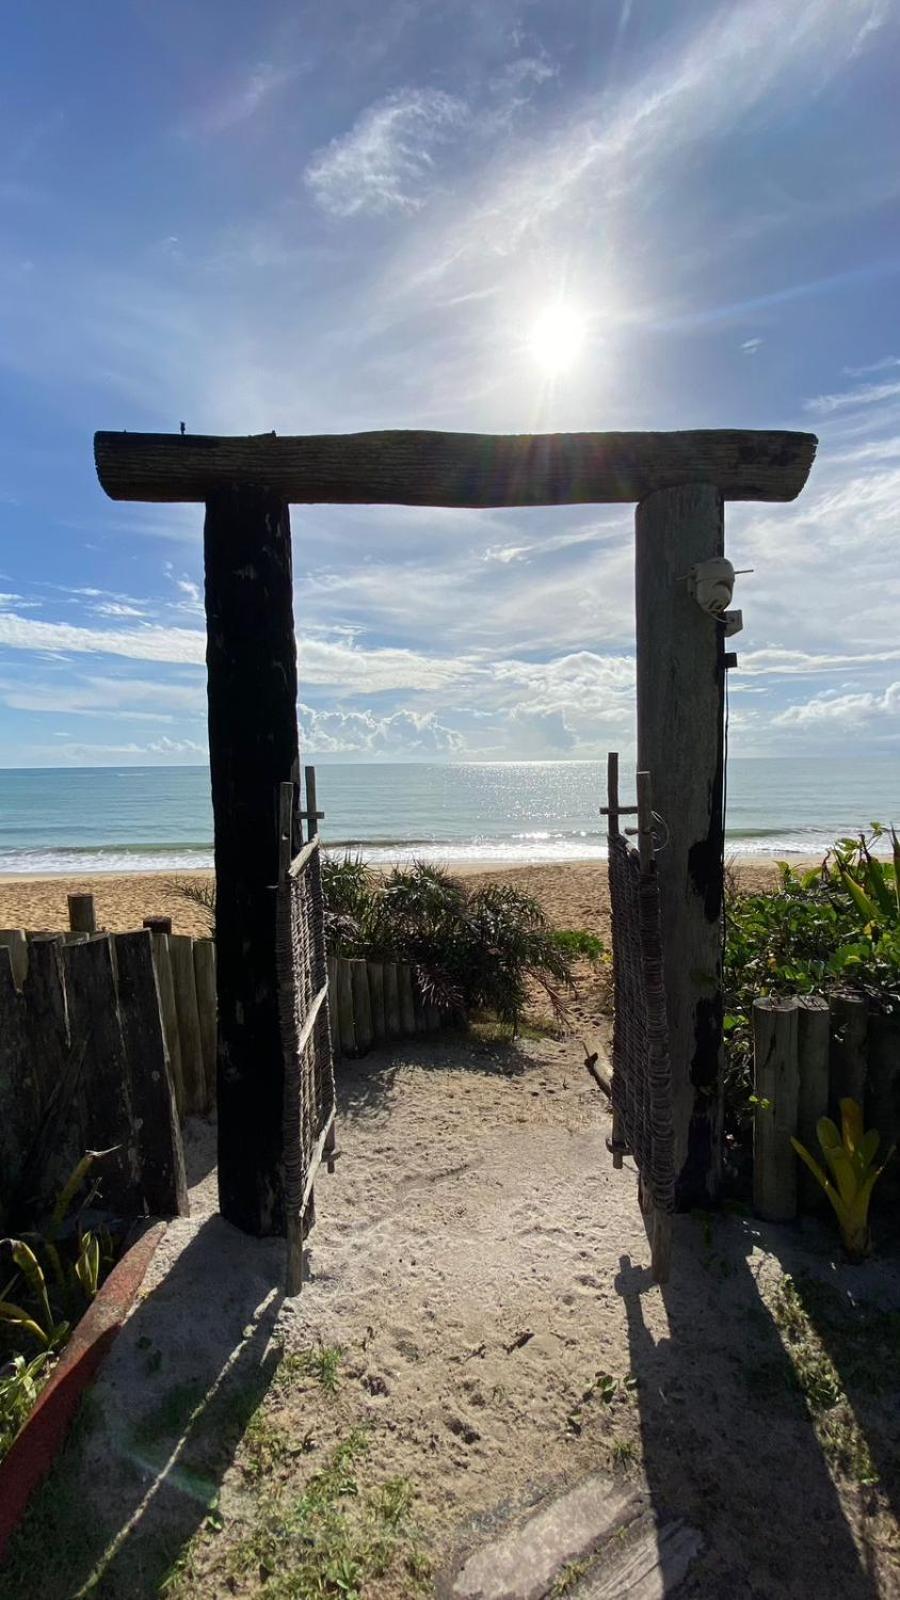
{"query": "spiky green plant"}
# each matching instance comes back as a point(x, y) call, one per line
point(19, 1388)
point(472, 949)
point(851, 1156)
point(49, 1279)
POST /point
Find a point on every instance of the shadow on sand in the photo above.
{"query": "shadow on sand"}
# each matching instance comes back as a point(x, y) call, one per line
point(144, 1465)
point(366, 1086)
point(728, 1443)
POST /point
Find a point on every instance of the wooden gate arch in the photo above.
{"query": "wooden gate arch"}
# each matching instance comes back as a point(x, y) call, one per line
point(680, 482)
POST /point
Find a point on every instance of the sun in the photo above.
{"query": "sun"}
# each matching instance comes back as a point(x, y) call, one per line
point(558, 337)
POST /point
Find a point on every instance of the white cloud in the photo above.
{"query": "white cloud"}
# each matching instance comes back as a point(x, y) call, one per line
point(884, 365)
point(344, 666)
point(164, 747)
point(148, 643)
point(867, 394)
point(403, 733)
point(123, 698)
point(782, 663)
point(734, 61)
point(848, 710)
point(384, 162)
point(116, 608)
point(751, 346)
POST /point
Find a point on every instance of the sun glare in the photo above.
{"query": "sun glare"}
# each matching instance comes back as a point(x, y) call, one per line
point(558, 338)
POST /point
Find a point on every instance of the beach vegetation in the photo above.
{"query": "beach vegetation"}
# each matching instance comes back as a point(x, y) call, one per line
point(473, 949)
point(835, 928)
point(850, 1155)
point(340, 1535)
point(199, 892)
point(579, 944)
point(55, 1273)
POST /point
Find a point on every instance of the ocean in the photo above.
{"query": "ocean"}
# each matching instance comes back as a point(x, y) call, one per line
point(142, 819)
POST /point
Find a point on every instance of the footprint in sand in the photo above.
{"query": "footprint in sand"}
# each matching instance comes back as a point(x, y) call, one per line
point(462, 1429)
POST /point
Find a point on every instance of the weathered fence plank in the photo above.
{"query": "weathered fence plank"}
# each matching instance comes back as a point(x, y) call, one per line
point(181, 953)
point(883, 1095)
point(95, 1029)
point(376, 996)
point(362, 1006)
point(813, 1044)
point(162, 961)
point(18, 1097)
point(205, 979)
point(776, 1081)
point(346, 1028)
point(407, 1003)
point(13, 939)
point(849, 1026)
point(391, 1001)
point(158, 1135)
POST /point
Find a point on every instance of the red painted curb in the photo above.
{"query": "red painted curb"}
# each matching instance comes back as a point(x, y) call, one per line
point(35, 1449)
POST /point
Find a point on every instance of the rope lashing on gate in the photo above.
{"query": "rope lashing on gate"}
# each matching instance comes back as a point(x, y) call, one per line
point(642, 1079)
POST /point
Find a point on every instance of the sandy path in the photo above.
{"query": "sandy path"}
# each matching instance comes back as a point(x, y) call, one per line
point(481, 1265)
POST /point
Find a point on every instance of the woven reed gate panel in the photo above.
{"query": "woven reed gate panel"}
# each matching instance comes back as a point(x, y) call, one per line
point(305, 1031)
point(642, 1079)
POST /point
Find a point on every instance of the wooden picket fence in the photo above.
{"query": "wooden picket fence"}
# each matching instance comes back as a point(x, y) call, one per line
point(374, 1002)
point(84, 1065)
point(107, 1041)
point(809, 1054)
point(186, 979)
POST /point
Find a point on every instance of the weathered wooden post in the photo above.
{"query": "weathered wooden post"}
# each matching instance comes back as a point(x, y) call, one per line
point(776, 1081)
point(680, 719)
point(813, 1037)
point(82, 915)
point(252, 686)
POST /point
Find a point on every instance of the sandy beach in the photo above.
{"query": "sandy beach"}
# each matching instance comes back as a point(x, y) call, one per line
point(573, 895)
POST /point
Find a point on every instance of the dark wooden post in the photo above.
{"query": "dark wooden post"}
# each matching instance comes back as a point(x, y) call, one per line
point(252, 684)
point(680, 706)
point(82, 916)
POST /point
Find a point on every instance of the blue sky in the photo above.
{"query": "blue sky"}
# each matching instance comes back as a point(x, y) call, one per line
point(326, 218)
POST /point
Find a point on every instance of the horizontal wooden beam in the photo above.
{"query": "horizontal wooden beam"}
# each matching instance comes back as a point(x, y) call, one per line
point(455, 469)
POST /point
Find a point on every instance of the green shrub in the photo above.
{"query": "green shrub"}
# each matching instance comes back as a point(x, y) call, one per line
point(836, 928)
point(576, 942)
point(472, 949)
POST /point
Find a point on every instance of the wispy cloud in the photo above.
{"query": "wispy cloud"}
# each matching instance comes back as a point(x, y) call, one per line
point(753, 58)
point(148, 643)
point(235, 103)
point(868, 394)
point(884, 365)
point(102, 697)
point(386, 160)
